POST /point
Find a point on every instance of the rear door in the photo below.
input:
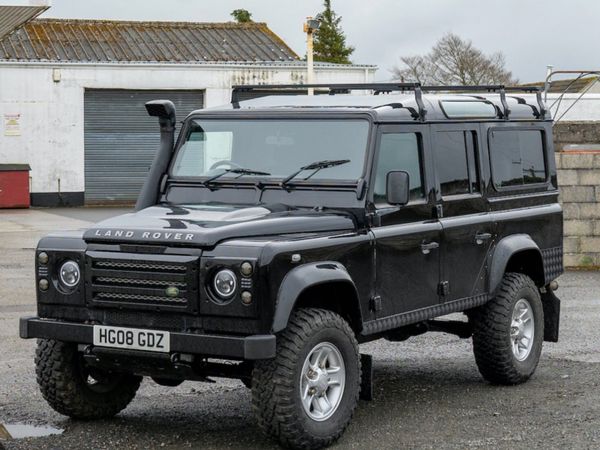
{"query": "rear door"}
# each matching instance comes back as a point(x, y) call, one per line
point(467, 230)
point(407, 238)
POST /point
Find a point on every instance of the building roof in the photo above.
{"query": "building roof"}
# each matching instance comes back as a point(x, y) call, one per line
point(12, 16)
point(567, 86)
point(95, 41)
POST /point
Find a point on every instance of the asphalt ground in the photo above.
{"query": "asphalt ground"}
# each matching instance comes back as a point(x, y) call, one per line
point(428, 392)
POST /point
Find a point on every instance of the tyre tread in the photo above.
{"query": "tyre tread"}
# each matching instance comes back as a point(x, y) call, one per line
point(273, 386)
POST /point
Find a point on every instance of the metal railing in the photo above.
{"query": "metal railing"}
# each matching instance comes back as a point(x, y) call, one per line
point(384, 88)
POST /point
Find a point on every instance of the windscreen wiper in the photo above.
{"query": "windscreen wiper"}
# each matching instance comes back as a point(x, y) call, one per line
point(315, 167)
point(238, 170)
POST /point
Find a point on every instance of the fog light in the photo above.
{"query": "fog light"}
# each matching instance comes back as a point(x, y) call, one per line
point(246, 298)
point(246, 269)
point(43, 284)
point(43, 258)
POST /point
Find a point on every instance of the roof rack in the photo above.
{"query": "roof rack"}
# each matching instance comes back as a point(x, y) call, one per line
point(381, 88)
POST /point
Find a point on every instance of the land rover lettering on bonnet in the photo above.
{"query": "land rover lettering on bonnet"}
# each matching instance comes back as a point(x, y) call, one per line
point(276, 235)
point(144, 235)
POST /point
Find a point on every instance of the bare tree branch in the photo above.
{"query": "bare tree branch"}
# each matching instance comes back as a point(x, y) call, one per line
point(453, 60)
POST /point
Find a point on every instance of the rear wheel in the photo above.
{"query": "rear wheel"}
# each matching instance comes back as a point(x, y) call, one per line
point(508, 331)
point(306, 395)
point(75, 389)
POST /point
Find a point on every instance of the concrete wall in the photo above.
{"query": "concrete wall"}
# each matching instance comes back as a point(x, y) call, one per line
point(51, 113)
point(579, 181)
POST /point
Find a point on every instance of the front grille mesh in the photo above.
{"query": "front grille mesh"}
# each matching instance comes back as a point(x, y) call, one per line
point(139, 265)
point(139, 298)
point(124, 281)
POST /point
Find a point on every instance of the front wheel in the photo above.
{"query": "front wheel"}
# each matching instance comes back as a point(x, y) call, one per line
point(74, 389)
point(306, 395)
point(508, 331)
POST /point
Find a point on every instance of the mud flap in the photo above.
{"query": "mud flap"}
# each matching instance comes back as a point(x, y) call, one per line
point(366, 381)
point(551, 305)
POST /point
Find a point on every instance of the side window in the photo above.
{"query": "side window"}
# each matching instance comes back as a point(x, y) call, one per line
point(456, 162)
point(399, 151)
point(517, 157)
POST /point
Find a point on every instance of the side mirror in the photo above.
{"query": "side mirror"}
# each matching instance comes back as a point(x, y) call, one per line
point(398, 188)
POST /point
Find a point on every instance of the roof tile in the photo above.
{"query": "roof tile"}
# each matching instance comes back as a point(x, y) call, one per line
point(125, 41)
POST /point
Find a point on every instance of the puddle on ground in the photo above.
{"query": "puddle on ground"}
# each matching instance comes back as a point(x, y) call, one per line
point(23, 430)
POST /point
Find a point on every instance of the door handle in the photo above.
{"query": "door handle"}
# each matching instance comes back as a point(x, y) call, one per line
point(427, 247)
point(480, 238)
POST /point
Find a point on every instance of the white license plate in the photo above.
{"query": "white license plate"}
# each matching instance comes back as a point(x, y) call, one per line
point(132, 338)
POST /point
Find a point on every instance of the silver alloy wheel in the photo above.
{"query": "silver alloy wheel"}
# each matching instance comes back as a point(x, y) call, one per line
point(522, 329)
point(322, 381)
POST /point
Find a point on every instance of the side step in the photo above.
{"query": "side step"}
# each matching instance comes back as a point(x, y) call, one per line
point(458, 328)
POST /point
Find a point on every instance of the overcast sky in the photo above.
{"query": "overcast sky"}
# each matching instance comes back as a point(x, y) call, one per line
point(530, 33)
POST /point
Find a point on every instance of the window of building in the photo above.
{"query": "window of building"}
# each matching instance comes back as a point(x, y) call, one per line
point(517, 157)
point(399, 151)
point(456, 162)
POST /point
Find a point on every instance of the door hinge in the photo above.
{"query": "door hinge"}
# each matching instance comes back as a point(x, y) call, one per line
point(375, 303)
point(444, 288)
point(439, 211)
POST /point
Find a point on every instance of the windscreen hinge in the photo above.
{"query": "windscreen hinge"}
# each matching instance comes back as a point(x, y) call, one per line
point(163, 183)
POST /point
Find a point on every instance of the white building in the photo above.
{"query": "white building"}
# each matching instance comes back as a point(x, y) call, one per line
point(72, 94)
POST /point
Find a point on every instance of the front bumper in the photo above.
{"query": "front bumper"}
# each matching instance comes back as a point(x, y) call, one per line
point(247, 348)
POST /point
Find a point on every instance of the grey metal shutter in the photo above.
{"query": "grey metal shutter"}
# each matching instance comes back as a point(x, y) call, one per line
point(121, 139)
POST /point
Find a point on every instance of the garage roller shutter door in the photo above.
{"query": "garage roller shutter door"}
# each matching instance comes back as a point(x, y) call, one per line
point(121, 139)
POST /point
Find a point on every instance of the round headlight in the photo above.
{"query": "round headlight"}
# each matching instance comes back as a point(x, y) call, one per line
point(69, 274)
point(225, 283)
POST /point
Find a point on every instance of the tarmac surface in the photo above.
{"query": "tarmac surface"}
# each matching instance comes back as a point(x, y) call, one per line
point(428, 392)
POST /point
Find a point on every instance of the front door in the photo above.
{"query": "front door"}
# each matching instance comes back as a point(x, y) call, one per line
point(407, 238)
point(467, 229)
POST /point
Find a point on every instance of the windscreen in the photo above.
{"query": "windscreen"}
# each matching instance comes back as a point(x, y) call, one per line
point(276, 147)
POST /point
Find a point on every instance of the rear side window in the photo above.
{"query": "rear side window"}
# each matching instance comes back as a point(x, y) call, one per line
point(517, 157)
point(399, 151)
point(456, 162)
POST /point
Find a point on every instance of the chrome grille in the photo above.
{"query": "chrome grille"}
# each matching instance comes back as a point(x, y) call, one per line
point(142, 281)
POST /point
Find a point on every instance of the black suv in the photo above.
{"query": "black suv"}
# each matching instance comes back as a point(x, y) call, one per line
point(279, 233)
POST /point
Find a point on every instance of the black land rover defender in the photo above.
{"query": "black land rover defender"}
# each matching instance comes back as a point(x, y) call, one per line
point(277, 234)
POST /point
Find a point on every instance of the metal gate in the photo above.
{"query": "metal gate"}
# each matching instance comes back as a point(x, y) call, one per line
point(121, 140)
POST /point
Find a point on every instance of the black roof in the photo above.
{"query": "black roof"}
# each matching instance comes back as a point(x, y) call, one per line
point(400, 102)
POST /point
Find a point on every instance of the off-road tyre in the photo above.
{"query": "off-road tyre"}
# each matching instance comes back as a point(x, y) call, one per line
point(492, 344)
point(275, 383)
point(64, 384)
